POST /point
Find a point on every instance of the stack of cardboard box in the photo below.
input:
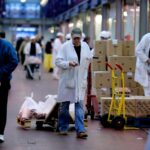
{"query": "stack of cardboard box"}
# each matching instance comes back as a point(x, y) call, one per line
point(122, 53)
point(136, 106)
point(114, 52)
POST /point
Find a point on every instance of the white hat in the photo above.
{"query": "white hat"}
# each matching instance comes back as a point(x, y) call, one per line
point(68, 36)
point(105, 35)
point(60, 34)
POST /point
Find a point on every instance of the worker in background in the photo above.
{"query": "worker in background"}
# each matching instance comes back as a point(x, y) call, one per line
point(57, 46)
point(32, 48)
point(2, 35)
point(73, 60)
point(68, 36)
point(142, 70)
point(105, 35)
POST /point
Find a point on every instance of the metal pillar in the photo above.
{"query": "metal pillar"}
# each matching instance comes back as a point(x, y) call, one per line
point(92, 28)
point(105, 16)
point(143, 18)
point(119, 20)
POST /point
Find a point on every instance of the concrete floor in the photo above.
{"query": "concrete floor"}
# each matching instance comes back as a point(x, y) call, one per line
point(99, 138)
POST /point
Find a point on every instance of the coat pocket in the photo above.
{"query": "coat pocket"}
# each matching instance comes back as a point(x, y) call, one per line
point(70, 79)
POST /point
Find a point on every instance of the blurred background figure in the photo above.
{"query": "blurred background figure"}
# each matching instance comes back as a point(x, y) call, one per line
point(105, 35)
point(48, 56)
point(2, 35)
point(83, 36)
point(68, 36)
point(21, 49)
point(32, 49)
point(127, 37)
point(57, 46)
point(87, 40)
point(18, 44)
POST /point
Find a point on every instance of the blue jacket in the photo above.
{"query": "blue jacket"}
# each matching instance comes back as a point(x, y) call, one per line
point(8, 60)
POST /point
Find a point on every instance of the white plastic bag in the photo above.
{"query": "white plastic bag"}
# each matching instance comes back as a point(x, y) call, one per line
point(32, 60)
point(28, 108)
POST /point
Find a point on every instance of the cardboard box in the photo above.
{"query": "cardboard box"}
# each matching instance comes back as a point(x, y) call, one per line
point(100, 48)
point(127, 62)
point(103, 92)
point(130, 105)
point(98, 64)
point(101, 79)
point(142, 106)
point(128, 48)
point(114, 48)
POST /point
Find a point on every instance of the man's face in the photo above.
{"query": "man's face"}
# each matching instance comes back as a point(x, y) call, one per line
point(76, 41)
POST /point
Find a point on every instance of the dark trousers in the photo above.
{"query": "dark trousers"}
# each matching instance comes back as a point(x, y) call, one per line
point(4, 88)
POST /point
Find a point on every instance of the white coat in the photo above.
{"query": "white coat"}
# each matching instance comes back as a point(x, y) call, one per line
point(142, 52)
point(27, 49)
point(56, 47)
point(73, 80)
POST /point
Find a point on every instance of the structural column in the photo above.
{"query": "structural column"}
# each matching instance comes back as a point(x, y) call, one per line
point(92, 28)
point(143, 18)
point(105, 8)
point(119, 29)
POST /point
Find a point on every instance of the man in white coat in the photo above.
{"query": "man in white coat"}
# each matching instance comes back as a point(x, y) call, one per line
point(73, 60)
point(56, 47)
point(32, 53)
point(142, 71)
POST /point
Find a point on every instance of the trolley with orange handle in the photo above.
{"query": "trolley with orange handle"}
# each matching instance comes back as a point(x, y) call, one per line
point(116, 117)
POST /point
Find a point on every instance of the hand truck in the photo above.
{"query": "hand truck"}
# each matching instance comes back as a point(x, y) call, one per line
point(116, 117)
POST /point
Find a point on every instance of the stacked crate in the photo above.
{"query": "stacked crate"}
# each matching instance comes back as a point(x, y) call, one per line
point(101, 78)
point(122, 53)
point(136, 106)
point(127, 60)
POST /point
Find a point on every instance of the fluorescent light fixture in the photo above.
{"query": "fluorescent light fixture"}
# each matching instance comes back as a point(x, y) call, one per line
point(70, 25)
point(22, 1)
point(125, 14)
point(98, 18)
point(43, 2)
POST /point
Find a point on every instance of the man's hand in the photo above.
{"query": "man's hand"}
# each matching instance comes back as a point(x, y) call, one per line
point(73, 64)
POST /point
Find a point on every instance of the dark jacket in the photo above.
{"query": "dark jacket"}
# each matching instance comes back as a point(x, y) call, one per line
point(8, 60)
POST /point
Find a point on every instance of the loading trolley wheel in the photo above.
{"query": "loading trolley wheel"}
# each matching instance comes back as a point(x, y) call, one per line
point(118, 123)
point(104, 121)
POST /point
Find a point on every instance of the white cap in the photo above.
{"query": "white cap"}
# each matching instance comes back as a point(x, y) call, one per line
point(105, 35)
point(68, 36)
point(60, 34)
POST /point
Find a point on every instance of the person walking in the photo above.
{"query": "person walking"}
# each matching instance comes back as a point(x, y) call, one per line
point(73, 60)
point(56, 47)
point(8, 63)
point(32, 50)
point(142, 70)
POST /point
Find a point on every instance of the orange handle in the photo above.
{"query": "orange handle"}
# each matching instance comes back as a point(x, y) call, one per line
point(107, 64)
point(119, 67)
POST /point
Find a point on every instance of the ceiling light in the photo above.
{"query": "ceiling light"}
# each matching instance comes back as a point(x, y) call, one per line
point(22, 1)
point(43, 2)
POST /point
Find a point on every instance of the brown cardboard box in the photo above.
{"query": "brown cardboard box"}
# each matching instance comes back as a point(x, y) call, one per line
point(100, 48)
point(128, 48)
point(114, 48)
point(127, 62)
point(142, 106)
point(130, 105)
point(98, 64)
point(101, 79)
point(103, 92)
